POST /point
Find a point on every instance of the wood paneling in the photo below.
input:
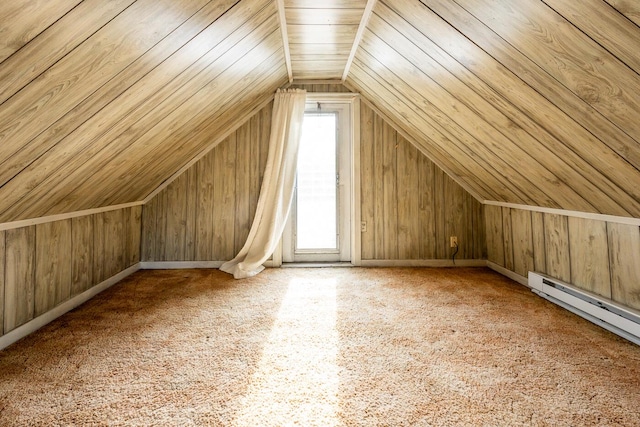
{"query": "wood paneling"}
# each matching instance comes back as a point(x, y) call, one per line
point(589, 255)
point(132, 234)
point(22, 20)
point(210, 207)
point(19, 277)
point(53, 265)
point(522, 239)
point(556, 237)
point(495, 239)
point(504, 124)
point(82, 254)
point(539, 254)
point(624, 247)
point(629, 8)
point(118, 103)
point(2, 268)
point(321, 36)
point(44, 265)
point(55, 41)
point(594, 255)
point(410, 206)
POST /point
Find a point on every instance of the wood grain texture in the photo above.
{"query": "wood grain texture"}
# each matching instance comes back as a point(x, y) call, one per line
point(594, 255)
point(99, 241)
point(556, 237)
point(22, 20)
point(188, 136)
point(624, 247)
point(403, 190)
point(149, 230)
point(132, 235)
point(109, 51)
point(114, 243)
point(45, 265)
point(19, 277)
point(629, 8)
point(523, 242)
point(367, 185)
point(327, 16)
point(564, 52)
point(230, 175)
point(507, 235)
point(204, 203)
point(426, 193)
point(539, 254)
point(495, 239)
point(2, 268)
point(604, 25)
point(82, 254)
point(313, 4)
point(589, 255)
point(53, 265)
point(55, 42)
point(150, 76)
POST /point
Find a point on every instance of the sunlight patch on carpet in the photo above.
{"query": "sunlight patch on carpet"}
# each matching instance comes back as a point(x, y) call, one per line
point(296, 380)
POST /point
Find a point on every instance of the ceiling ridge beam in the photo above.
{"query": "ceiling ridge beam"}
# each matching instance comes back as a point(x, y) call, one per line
point(285, 38)
point(368, 10)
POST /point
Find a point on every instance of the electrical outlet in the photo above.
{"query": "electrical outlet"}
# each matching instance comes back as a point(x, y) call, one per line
point(454, 241)
point(363, 226)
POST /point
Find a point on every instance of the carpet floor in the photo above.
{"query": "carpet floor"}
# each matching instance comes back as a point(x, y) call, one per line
point(320, 347)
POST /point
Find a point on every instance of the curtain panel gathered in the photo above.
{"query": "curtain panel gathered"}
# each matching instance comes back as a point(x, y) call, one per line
point(276, 193)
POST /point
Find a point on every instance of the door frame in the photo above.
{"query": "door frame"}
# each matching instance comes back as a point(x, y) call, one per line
point(352, 100)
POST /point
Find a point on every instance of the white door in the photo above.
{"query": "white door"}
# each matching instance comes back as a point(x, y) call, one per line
point(318, 229)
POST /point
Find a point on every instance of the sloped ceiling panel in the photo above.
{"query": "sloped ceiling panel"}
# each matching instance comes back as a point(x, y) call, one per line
point(321, 34)
point(111, 98)
point(526, 102)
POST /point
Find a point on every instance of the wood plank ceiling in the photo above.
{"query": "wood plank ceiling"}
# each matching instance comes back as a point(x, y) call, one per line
point(321, 35)
point(103, 101)
point(533, 102)
point(521, 101)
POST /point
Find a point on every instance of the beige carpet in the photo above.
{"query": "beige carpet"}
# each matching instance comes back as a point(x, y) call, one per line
point(320, 347)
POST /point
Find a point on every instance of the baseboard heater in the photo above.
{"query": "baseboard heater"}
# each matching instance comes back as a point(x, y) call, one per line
point(616, 318)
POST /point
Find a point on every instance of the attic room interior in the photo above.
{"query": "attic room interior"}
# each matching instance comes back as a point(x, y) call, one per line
point(458, 244)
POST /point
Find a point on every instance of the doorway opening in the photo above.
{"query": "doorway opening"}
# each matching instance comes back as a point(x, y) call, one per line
point(319, 229)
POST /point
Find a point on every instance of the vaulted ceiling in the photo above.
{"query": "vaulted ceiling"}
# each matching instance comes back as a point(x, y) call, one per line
point(533, 102)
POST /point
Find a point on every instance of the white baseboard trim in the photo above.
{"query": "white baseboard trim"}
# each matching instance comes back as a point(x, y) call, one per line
point(508, 273)
point(40, 321)
point(176, 265)
point(423, 263)
point(170, 265)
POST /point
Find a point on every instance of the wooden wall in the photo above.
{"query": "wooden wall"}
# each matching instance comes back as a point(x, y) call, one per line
point(206, 213)
point(411, 207)
point(594, 255)
point(44, 265)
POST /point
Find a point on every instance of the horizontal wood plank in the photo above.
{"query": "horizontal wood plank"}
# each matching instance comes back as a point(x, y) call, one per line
point(325, 16)
point(325, 4)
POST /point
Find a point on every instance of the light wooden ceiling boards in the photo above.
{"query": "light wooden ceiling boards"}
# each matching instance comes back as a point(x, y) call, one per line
point(527, 102)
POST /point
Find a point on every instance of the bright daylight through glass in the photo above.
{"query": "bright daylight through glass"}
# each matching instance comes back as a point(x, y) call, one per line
point(316, 191)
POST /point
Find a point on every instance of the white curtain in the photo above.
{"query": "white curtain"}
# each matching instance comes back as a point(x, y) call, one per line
point(274, 202)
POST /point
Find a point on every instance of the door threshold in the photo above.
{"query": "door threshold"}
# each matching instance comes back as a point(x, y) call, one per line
point(315, 264)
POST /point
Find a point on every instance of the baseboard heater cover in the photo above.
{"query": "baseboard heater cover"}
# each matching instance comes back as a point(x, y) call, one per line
point(608, 314)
